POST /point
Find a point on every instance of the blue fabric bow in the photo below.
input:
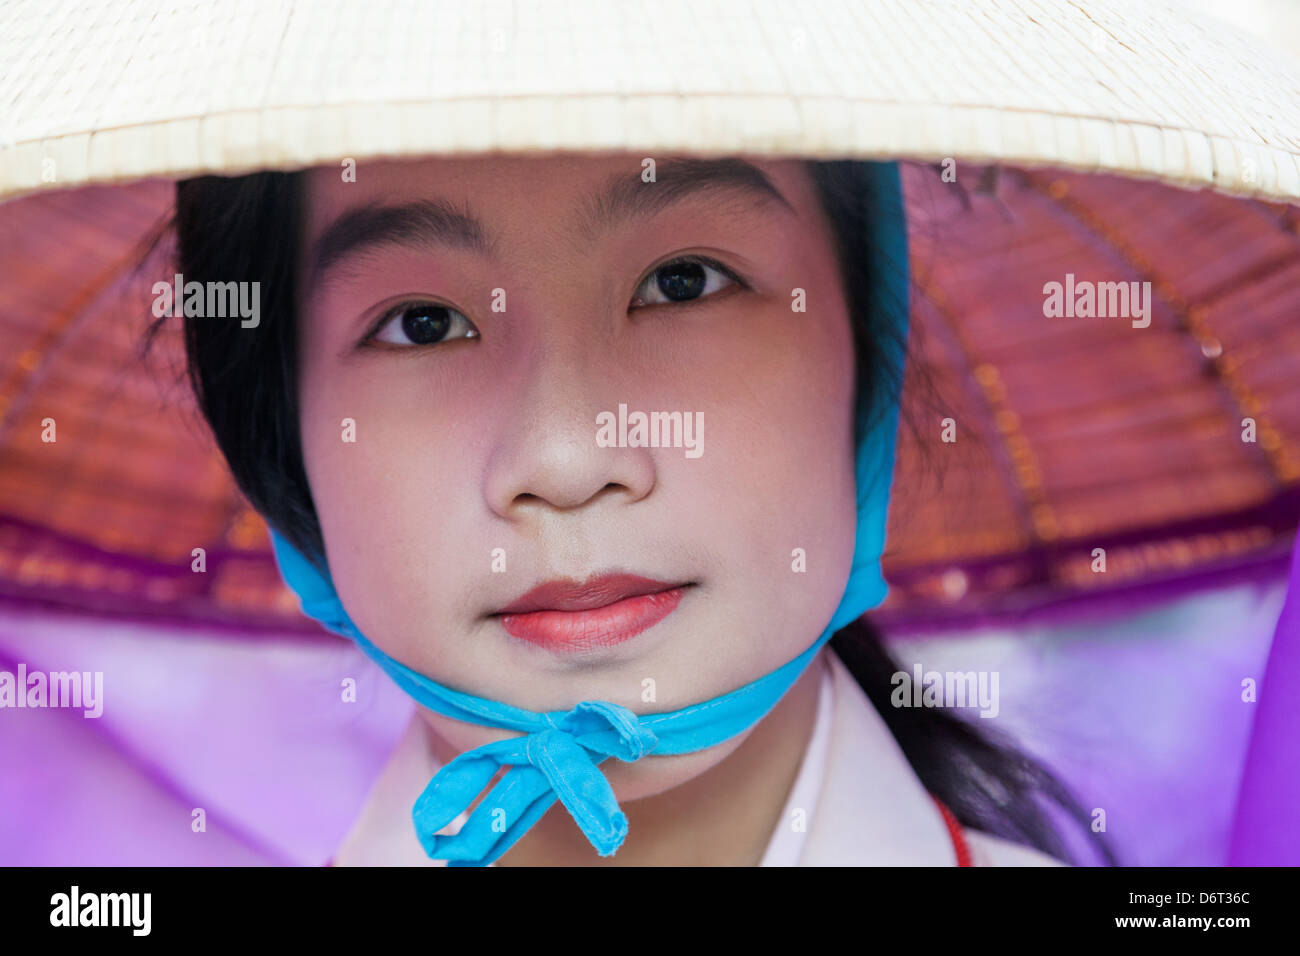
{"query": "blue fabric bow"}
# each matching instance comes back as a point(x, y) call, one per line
point(558, 753)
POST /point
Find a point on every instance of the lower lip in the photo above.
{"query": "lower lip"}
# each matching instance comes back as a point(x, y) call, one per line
point(599, 627)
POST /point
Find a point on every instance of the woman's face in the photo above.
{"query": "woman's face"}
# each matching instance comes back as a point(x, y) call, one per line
point(469, 332)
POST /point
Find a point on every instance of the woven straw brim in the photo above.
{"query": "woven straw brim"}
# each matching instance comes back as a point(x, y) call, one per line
point(116, 91)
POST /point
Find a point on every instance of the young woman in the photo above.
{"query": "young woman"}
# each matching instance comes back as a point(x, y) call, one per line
point(437, 416)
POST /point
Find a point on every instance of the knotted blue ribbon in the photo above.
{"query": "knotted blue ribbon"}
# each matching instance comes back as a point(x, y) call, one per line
point(559, 753)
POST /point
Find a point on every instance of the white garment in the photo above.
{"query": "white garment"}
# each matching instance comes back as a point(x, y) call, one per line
point(788, 839)
point(863, 804)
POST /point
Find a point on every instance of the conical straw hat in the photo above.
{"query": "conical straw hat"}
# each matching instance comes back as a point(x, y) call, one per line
point(107, 92)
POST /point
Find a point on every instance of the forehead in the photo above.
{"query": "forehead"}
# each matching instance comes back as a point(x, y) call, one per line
point(575, 196)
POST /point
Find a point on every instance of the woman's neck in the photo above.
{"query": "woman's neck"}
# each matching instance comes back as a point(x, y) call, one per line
point(723, 817)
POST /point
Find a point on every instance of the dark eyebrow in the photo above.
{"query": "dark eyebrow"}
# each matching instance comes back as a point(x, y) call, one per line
point(624, 196)
point(628, 197)
point(425, 221)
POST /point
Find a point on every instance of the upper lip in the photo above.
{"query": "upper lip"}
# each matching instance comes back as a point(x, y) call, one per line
point(565, 594)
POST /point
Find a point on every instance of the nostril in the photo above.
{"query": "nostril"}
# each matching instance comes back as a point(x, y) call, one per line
point(613, 489)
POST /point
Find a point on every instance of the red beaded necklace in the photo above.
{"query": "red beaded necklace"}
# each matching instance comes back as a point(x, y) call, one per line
point(955, 831)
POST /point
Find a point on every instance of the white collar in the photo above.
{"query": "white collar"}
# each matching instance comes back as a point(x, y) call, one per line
point(788, 839)
point(872, 809)
point(862, 802)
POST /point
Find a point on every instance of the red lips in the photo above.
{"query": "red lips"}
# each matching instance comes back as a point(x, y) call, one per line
point(599, 612)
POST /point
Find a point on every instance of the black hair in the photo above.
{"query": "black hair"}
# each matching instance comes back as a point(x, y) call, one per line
point(247, 229)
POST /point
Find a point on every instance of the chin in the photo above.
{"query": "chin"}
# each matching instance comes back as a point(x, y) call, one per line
point(651, 776)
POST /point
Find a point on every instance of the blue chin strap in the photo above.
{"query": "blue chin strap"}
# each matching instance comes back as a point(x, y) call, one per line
point(558, 754)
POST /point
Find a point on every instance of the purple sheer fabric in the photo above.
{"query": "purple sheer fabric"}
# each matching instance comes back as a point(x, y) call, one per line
point(1267, 829)
point(1140, 710)
point(258, 732)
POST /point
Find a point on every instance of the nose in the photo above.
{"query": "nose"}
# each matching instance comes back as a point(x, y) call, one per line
point(547, 457)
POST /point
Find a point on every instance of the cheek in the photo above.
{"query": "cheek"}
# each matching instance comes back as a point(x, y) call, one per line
point(775, 486)
point(803, 472)
point(391, 523)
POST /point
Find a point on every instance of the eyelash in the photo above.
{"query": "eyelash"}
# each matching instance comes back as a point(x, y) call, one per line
point(698, 260)
point(396, 311)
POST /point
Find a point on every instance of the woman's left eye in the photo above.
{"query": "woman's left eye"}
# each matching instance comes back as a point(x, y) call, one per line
point(683, 280)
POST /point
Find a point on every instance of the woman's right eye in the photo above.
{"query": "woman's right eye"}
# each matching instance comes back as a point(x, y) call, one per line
point(423, 323)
